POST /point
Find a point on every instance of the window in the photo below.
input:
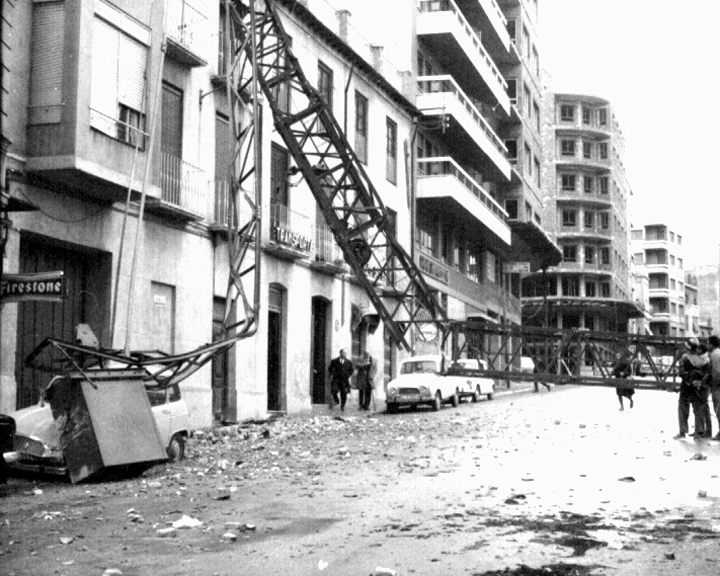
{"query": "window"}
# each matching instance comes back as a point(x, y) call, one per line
point(511, 146)
point(590, 289)
point(586, 115)
point(526, 42)
point(588, 184)
point(568, 182)
point(390, 151)
point(679, 240)
point(605, 256)
point(279, 164)
point(672, 260)
point(361, 127)
point(538, 176)
point(605, 290)
point(528, 102)
point(46, 69)
point(536, 61)
point(589, 218)
point(491, 272)
point(567, 113)
point(171, 137)
point(587, 150)
point(571, 286)
point(602, 117)
point(639, 258)
point(569, 218)
point(118, 83)
point(325, 84)
point(603, 184)
point(511, 207)
point(603, 148)
point(604, 220)
point(528, 212)
point(512, 90)
point(511, 29)
point(589, 254)
point(528, 159)
point(567, 147)
point(680, 263)
point(536, 113)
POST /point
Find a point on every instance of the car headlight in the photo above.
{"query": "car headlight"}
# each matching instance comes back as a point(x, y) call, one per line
point(392, 392)
point(424, 391)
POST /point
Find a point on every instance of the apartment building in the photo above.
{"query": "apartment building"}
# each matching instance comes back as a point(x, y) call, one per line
point(708, 284)
point(660, 249)
point(692, 308)
point(587, 215)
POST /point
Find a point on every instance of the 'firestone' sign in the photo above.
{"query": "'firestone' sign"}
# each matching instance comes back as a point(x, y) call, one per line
point(293, 239)
point(47, 286)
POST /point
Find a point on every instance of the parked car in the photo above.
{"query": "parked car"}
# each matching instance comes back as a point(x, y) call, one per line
point(7, 435)
point(37, 437)
point(429, 380)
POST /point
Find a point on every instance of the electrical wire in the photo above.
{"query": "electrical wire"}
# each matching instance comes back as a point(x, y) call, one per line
point(57, 219)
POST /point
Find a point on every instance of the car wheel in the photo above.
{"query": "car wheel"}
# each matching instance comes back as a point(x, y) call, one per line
point(437, 402)
point(176, 448)
point(476, 394)
point(455, 400)
point(490, 396)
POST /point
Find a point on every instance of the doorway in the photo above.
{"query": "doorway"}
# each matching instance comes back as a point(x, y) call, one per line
point(275, 349)
point(319, 338)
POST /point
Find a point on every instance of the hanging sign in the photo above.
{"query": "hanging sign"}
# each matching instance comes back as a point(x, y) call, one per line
point(47, 286)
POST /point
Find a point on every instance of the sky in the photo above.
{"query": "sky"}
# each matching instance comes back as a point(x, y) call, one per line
point(658, 63)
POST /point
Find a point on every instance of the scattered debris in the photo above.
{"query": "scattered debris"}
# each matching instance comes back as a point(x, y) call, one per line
point(698, 456)
point(187, 522)
point(626, 479)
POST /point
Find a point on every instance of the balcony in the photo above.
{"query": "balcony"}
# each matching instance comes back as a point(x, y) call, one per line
point(456, 46)
point(440, 96)
point(442, 178)
point(187, 33)
point(183, 190)
point(224, 217)
point(291, 234)
point(492, 24)
point(328, 255)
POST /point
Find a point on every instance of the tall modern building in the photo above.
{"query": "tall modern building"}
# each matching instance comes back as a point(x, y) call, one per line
point(110, 102)
point(586, 213)
point(660, 249)
point(708, 285)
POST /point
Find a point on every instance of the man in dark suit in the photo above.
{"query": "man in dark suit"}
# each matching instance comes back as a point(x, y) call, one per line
point(341, 368)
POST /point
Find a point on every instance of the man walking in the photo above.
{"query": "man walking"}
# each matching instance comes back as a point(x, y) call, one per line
point(340, 371)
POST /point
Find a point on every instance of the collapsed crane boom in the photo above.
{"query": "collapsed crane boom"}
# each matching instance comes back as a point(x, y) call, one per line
point(352, 207)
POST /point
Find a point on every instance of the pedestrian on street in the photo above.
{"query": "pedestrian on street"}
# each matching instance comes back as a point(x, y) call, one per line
point(714, 343)
point(341, 368)
point(694, 389)
point(365, 379)
point(624, 369)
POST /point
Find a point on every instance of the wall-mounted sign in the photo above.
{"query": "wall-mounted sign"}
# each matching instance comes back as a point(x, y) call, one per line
point(48, 286)
point(293, 239)
point(516, 267)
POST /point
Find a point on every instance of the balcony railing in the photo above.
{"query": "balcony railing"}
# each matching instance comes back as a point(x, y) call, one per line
point(450, 6)
point(447, 85)
point(326, 249)
point(224, 215)
point(183, 185)
point(186, 25)
point(428, 167)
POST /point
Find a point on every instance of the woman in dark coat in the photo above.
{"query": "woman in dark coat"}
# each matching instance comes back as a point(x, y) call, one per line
point(624, 369)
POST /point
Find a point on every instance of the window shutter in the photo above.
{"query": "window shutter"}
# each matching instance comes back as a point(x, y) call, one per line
point(132, 57)
point(46, 69)
point(103, 96)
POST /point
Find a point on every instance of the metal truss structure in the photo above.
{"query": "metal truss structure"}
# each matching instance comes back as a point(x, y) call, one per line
point(569, 356)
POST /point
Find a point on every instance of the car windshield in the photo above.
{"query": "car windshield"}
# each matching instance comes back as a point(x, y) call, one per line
point(419, 366)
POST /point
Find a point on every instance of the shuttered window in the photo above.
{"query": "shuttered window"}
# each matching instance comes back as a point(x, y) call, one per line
point(118, 83)
point(46, 68)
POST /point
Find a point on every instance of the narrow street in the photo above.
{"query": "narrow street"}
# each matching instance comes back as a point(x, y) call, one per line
point(556, 482)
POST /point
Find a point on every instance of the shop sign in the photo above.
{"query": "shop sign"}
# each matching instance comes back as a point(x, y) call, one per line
point(293, 239)
point(47, 286)
point(516, 268)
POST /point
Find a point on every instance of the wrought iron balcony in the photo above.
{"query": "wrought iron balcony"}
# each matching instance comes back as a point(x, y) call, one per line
point(187, 30)
point(183, 186)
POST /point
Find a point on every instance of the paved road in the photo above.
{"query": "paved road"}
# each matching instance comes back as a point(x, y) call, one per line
point(556, 482)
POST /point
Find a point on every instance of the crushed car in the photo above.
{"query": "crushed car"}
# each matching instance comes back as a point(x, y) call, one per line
point(69, 434)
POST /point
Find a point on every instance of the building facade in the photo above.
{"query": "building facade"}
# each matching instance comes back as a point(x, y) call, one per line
point(119, 138)
point(587, 215)
point(660, 249)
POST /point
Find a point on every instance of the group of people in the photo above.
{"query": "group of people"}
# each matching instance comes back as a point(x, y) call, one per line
point(700, 381)
point(342, 368)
